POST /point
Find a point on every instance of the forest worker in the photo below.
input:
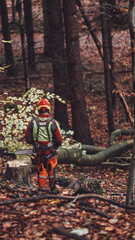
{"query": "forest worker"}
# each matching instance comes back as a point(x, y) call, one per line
point(44, 134)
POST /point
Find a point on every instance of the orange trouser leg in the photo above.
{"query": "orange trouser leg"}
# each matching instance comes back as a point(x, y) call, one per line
point(42, 176)
point(51, 164)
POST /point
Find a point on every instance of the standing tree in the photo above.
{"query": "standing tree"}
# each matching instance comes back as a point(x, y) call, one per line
point(6, 37)
point(112, 3)
point(130, 197)
point(29, 33)
point(21, 25)
point(46, 28)
point(108, 82)
point(57, 52)
point(13, 11)
point(80, 121)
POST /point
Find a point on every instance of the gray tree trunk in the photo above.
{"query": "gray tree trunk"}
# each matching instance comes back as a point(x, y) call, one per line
point(108, 82)
point(29, 33)
point(13, 11)
point(46, 28)
point(57, 52)
point(130, 196)
point(6, 37)
point(21, 25)
point(80, 121)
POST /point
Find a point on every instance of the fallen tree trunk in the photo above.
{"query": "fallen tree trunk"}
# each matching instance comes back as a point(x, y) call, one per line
point(91, 149)
point(75, 155)
point(65, 156)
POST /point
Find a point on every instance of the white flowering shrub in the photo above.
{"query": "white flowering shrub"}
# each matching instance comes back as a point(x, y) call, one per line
point(16, 113)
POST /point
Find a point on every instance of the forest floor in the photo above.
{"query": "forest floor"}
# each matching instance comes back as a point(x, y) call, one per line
point(39, 220)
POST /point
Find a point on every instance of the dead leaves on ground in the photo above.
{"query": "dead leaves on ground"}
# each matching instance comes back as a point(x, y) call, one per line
point(36, 220)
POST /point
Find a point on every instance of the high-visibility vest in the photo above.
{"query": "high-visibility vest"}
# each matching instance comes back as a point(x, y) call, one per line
point(42, 130)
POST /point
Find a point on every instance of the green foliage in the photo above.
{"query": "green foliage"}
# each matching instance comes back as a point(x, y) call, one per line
point(17, 112)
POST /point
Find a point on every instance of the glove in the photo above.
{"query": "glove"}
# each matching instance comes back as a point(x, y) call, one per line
point(34, 158)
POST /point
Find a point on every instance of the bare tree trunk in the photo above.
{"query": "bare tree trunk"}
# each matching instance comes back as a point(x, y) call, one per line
point(108, 82)
point(29, 33)
point(13, 11)
point(25, 67)
point(130, 197)
point(6, 37)
point(111, 61)
point(80, 121)
point(46, 28)
point(57, 51)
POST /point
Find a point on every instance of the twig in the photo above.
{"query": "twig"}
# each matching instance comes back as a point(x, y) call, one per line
point(89, 209)
point(69, 235)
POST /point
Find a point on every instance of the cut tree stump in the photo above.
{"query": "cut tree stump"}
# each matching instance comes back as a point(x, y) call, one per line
point(19, 172)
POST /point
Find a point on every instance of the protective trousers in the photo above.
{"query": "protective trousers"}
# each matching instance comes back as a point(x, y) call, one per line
point(47, 166)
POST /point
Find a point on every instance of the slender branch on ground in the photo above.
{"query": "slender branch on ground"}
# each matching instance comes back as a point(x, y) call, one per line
point(68, 198)
point(89, 209)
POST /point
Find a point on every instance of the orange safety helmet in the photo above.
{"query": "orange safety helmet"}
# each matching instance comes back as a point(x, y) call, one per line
point(43, 104)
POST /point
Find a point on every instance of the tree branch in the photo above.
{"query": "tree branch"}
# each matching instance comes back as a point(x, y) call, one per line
point(68, 198)
point(89, 209)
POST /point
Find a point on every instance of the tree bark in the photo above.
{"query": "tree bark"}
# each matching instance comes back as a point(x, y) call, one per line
point(108, 82)
point(29, 33)
point(111, 61)
point(80, 121)
point(75, 156)
point(57, 51)
point(21, 25)
point(13, 11)
point(46, 28)
point(130, 196)
point(6, 37)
